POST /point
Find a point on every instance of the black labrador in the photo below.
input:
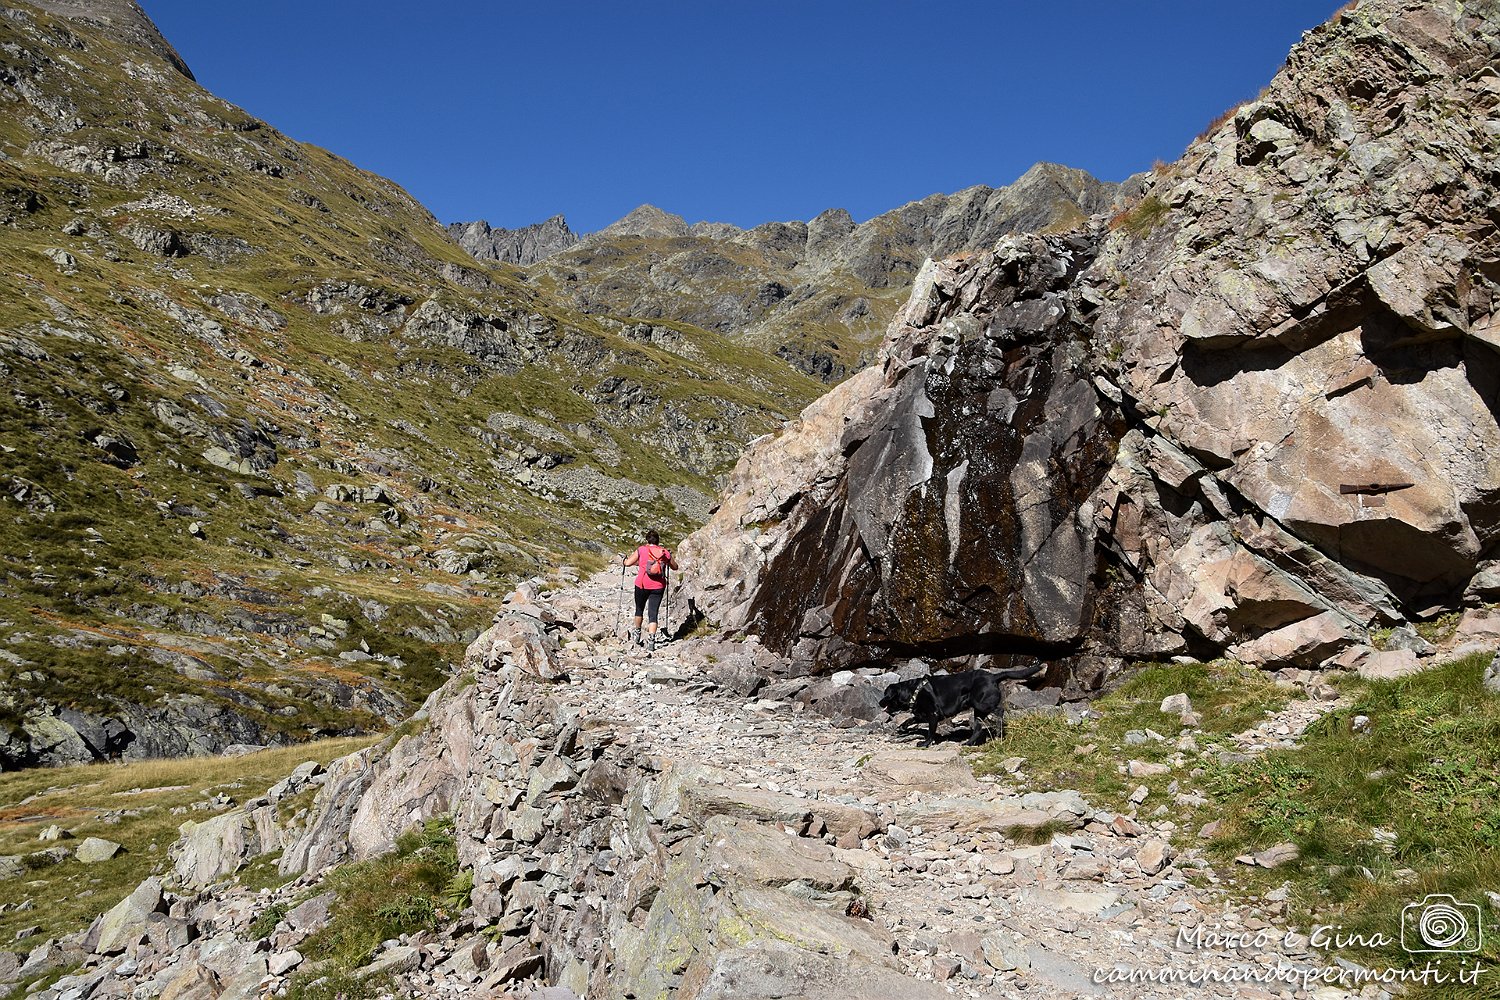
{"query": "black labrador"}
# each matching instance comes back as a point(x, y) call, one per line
point(942, 696)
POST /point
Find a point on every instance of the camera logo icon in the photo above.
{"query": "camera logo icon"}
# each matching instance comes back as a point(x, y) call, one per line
point(1443, 924)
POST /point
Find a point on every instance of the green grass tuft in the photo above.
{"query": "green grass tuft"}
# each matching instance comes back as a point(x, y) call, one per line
point(1041, 833)
point(265, 923)
point(399, 893)
point(1141, 218)
point(1229, 697)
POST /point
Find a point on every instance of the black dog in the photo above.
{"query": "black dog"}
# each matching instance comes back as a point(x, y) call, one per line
point(942, 696)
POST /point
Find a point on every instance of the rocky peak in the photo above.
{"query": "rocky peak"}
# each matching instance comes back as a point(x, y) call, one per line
point(523, 246)
point(827, 231)
point(1079, 183)
point(645, 221)
point(1046, 196)
point(122, 20)
point(715, 230)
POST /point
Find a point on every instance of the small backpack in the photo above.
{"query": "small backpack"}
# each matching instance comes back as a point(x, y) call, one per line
point(656, 563)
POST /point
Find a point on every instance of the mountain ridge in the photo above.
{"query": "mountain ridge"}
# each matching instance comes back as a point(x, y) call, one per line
point(648, 219)
point(523, 246)
point(820, 293)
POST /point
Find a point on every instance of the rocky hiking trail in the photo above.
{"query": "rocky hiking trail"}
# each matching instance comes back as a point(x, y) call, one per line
point(956, 900)
point(636, 828)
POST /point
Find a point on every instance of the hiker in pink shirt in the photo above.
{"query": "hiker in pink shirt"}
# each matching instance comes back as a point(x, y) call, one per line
point(650, 583)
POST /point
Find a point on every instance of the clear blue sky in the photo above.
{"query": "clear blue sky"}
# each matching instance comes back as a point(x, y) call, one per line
point(730, 110)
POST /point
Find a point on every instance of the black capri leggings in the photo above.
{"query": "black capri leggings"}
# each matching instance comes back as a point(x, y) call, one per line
point(648, 601)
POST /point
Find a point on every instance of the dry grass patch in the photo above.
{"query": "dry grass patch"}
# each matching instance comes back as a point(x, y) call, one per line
point(138, 805)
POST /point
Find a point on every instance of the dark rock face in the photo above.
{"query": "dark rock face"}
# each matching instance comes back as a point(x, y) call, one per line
point(822, 365)
point(523, 246)
point(1254, 415)
point(961, 525)
point(177, 725)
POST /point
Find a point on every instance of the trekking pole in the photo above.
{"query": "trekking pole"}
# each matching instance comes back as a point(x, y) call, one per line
point(619, 599)
point(667, 599)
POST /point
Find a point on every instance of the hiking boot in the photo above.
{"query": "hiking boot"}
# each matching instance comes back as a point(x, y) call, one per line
point(651, 643)
point(633, 637)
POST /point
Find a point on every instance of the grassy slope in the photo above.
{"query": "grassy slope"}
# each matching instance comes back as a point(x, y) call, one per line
point(414, 888)
point(142, 805)
point(619, 275)
point(139, 806)
point(347, 395)
point(1385, 811)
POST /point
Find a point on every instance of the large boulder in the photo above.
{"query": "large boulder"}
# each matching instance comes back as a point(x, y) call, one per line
point(209, 851)
point(96, 849)
point(1305, 643)
point(126, 922)
point(944, 510)
point(1308, 316)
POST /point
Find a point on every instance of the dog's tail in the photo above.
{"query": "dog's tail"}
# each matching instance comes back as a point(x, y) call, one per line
point(1016, 673)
